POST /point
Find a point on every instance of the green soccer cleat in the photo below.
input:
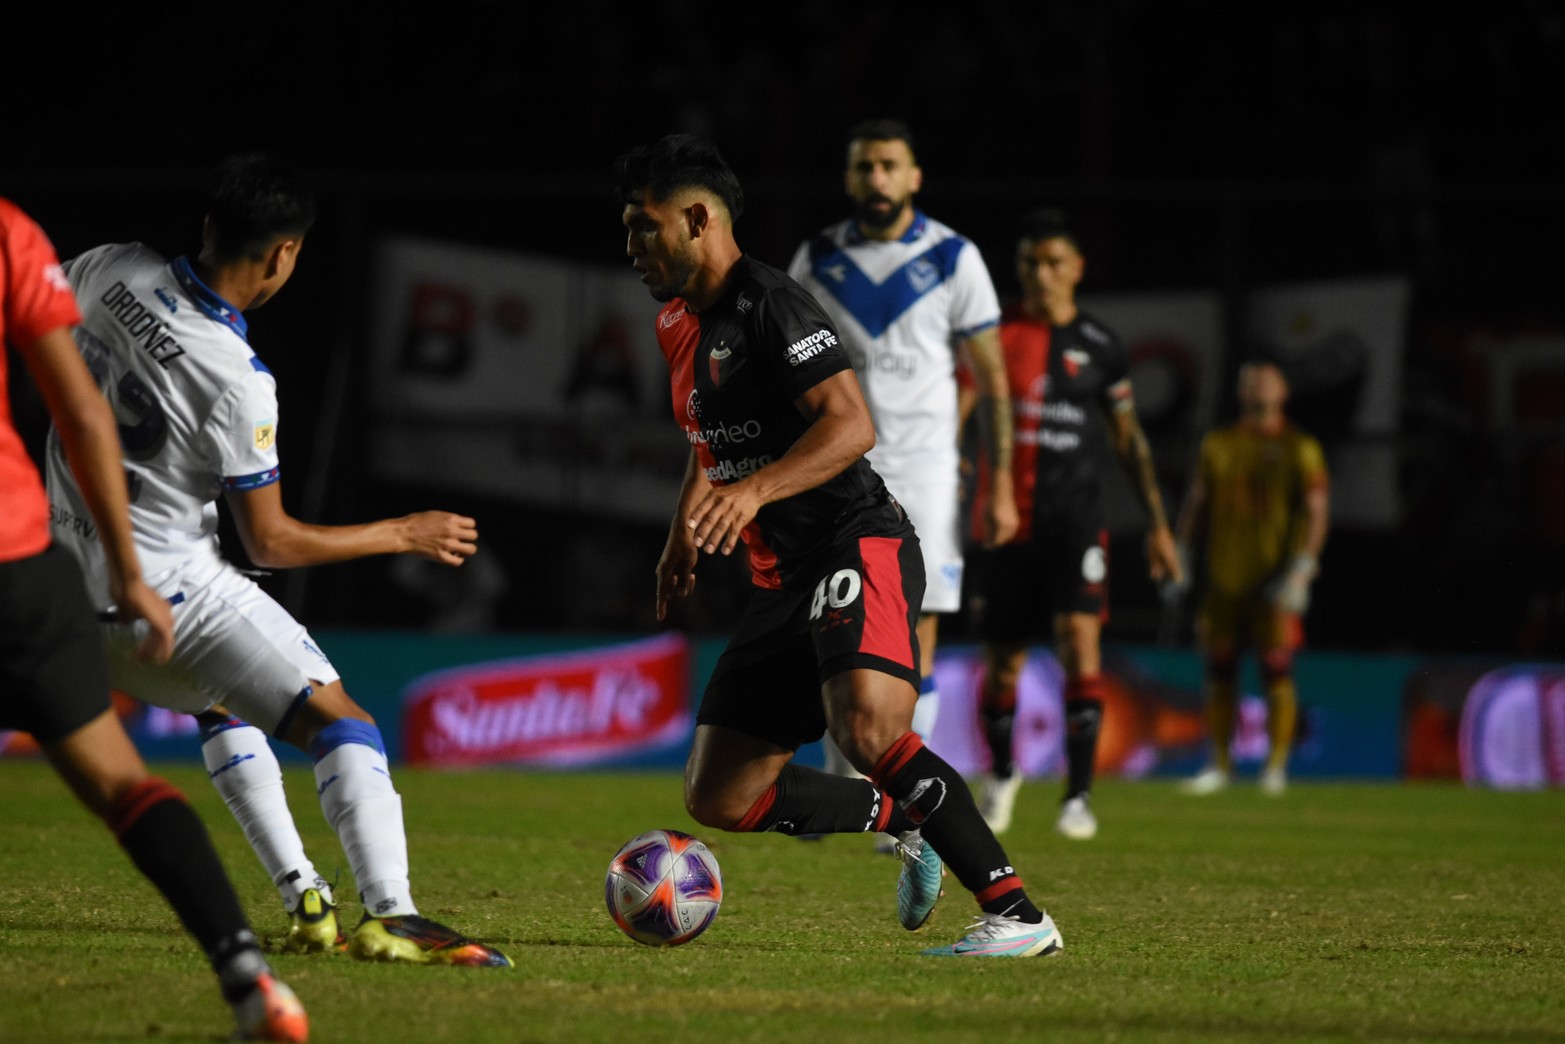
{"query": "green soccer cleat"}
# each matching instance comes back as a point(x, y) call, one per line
point(918, 885)
point(418, 940)
point(313, 926)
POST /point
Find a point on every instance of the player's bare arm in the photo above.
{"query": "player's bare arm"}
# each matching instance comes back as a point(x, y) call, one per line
point(677, 565)
point(995, 431)
point(87, 430)
point(275, 539)
point(1135, 456)
point(840, 432)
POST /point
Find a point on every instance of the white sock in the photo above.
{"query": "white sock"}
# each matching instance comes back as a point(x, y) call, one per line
point(927, 707)
point(354, 782)
point(245, 772)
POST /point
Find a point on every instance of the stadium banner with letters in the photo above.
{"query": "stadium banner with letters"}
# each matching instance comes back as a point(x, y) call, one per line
point(1341, 343)
point(558, 710)
point(523, 378)
point(1349, 722)
point(552, 701)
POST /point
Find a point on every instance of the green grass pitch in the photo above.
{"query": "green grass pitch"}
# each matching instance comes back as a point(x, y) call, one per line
point(1337, 912)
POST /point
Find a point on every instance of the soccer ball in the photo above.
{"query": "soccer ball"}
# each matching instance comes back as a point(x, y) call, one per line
point(664, 888)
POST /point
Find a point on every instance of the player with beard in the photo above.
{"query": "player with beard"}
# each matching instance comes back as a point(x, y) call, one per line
point(910, 296)
point(1072, 399)
point(778, 428)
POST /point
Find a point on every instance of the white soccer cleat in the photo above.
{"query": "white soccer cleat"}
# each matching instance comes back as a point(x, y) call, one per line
point(1076, 820)
point(996, 935)
point(997, 800)
point(1207, 781)
point(1274, 781)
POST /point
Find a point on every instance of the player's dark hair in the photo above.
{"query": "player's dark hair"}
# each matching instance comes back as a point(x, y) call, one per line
point(674, 162)
point(883, 130)
point(1046, 223)
point(254, 201)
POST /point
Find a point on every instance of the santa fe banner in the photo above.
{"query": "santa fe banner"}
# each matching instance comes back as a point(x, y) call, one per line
point(554, 710)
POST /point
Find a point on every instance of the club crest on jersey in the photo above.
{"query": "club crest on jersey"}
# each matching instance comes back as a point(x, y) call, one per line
point(1074, 360)
point(716, 360)
point(923, 274)
point(265, 435)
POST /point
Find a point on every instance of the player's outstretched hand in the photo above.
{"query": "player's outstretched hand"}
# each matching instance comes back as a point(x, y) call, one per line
point(718, 518)
point(676, 570)
point(440, 536)
point(139, 603)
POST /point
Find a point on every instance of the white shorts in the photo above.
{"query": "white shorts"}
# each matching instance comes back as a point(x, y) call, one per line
point(233, 644)
point(933, 501)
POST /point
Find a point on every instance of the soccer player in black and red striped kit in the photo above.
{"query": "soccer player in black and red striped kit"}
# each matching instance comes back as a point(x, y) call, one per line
point(778, 429)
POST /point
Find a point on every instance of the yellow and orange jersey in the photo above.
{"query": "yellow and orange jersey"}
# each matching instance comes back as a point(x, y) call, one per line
point(1255, 486)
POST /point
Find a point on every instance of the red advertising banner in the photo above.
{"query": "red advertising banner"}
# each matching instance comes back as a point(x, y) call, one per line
point(555, 710)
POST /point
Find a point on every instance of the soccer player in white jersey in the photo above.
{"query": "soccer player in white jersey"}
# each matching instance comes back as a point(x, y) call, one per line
point(908, 294)
point(197, 410)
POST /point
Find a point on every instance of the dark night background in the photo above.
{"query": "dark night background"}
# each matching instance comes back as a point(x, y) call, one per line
point(1201, 146)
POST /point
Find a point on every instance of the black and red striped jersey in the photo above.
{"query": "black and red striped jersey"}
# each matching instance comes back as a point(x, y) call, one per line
point(736, 371)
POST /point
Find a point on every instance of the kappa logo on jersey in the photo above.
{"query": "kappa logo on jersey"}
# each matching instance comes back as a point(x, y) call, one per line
point(265, 435)
point(807, 348)
point(840, 589)
point(668, 319)
point(167, 299)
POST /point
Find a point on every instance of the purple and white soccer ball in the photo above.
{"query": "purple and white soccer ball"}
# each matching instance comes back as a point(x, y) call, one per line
point(664, 888)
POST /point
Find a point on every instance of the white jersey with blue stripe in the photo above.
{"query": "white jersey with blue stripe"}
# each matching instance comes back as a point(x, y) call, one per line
point(197, 410)
point(902, 308)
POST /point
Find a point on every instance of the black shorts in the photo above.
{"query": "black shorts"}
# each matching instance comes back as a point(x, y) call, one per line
point(855, 607)
point(1062, 568)
point(53, 675)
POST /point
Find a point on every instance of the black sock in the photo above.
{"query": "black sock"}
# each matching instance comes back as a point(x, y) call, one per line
point(166, 841)
point(808, 801)
point(937, 801)
point(1083, 717)
point(999, 728)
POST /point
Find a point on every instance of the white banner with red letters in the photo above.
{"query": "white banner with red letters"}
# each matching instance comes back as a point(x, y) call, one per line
point(555, 710)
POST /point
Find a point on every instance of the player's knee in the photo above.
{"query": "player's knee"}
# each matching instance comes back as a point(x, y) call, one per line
point(1276, 665)
point(719, 809)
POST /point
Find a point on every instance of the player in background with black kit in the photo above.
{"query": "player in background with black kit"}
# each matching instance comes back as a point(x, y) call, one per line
point(910, 297)
point(1261, 495)
point(778, 427)
point(168, 344)
point(54, 683)
point(1069, 375)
